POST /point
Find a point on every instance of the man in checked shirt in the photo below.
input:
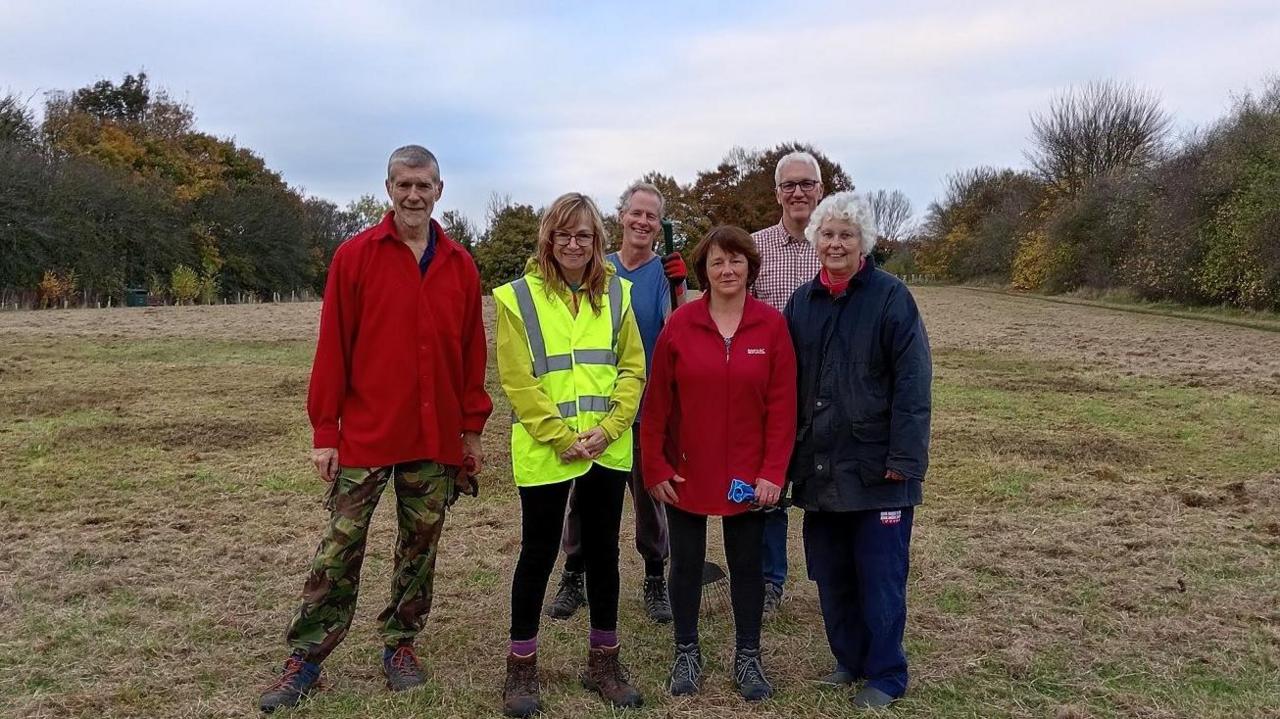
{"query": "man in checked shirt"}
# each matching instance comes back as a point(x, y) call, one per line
point(787, 260)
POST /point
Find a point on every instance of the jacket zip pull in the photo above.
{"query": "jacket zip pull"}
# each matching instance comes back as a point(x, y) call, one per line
point(728, 342)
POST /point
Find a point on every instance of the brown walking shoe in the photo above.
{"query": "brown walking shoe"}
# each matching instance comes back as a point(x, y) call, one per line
point(520, 691)
point(607, 677)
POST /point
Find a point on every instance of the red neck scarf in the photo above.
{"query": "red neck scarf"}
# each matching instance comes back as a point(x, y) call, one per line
point(837, 288)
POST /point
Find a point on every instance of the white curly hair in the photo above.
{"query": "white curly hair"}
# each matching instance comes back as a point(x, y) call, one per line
point(847, 206)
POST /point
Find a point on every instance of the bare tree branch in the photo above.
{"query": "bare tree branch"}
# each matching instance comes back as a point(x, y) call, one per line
point(892, 213)
point(1091, 131)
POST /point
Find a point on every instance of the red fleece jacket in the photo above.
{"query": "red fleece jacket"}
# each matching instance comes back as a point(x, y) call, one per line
point(399, 367)
point(736, 407)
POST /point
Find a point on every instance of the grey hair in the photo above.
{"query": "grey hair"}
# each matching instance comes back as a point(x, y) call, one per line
point(789, 158)
point(413, 156)
point(847, 206)
point(625, 200)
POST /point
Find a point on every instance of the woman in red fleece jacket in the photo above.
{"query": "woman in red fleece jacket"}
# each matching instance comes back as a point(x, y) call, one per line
point(720, 406)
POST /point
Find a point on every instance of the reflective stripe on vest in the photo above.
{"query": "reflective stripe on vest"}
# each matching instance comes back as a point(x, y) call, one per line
point(574, 359)
point(589, 403)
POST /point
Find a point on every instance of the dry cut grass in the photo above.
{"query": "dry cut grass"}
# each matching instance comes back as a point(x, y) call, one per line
point(1101, 534)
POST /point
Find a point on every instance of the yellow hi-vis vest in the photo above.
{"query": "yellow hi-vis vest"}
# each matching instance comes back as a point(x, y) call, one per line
point(575, 360)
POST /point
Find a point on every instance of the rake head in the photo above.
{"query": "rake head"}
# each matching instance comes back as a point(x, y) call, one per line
point(715, 588)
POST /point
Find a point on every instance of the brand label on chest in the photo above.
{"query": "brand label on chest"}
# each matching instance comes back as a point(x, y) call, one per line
point(755, 350)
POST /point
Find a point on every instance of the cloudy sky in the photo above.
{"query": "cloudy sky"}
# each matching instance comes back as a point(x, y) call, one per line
point(533, 99)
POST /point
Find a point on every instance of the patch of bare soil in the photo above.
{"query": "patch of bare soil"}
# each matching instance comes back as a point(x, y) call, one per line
point(188, 433)
point(267, 322)
point(1196, 352)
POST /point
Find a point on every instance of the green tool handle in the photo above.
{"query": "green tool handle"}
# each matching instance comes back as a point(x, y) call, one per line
point(669, 246)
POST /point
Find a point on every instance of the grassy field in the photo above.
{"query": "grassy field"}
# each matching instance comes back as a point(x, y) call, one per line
point(1101, 533)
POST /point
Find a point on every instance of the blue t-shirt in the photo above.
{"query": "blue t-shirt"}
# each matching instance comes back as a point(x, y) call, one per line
point(650, 299)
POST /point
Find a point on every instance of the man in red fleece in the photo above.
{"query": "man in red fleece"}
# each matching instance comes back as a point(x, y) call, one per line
point(397, 397)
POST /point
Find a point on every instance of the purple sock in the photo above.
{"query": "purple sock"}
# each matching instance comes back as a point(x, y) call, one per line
point(603, 638)
point(524, 647)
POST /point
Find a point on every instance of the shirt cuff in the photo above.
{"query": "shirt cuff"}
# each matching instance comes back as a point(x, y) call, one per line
point(324, 439)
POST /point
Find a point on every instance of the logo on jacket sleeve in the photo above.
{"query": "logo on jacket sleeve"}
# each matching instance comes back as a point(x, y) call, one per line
point(889, 519)
point(755, 350)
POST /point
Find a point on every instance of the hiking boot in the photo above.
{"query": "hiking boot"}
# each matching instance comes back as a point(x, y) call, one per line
point(748, 675)
point(400, 665)
point(569, 597)
point(607, 677)
point(772, 598)
point(686, 671)
point(656, 601)
point(520, 690)
point(296, 682)
point(839, 677)
point(871, 698)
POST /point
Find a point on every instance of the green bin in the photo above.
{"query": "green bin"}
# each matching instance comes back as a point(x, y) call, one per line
point(135, 298)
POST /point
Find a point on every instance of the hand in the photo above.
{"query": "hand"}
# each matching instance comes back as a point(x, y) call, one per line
point(767, 493)
point(464, 483)
point(472, 453)
point(325, 460)
point(594, 441)
point(574, 452)
point(677, 272)
point(894, 475)
point(665, 492)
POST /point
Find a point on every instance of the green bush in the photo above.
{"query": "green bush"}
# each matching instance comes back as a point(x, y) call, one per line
point(184, 282)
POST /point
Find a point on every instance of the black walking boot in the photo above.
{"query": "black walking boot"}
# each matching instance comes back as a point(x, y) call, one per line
point(656, 601)
point(748, 675)
point(569, 597)
point(686, 671)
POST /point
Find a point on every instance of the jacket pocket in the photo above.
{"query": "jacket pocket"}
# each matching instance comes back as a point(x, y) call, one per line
point(871, 473)
point(870, 432)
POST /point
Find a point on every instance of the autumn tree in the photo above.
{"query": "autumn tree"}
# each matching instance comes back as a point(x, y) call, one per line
point(740, 190)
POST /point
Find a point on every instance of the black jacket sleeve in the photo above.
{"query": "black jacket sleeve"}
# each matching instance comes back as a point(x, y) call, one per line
point(907, 351)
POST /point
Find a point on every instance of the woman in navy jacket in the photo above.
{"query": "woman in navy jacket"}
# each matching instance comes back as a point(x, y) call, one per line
point(862, 442)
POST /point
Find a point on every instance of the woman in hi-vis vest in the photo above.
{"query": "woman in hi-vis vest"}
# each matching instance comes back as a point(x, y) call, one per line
point(572, 364)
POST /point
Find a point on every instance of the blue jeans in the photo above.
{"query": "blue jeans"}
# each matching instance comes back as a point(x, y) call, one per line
point(859, 561)
point(774, 553)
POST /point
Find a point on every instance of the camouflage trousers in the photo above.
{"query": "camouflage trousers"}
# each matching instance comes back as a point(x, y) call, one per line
point(329, 595)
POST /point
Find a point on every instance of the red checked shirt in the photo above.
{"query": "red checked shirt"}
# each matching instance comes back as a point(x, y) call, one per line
point(786, 262)
point(399, 368)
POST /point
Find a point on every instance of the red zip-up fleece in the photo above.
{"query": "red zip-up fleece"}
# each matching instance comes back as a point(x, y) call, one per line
point(399, 368)
point(735, 405)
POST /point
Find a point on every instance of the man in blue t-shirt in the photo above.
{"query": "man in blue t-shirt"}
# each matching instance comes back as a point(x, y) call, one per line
point(652, 277)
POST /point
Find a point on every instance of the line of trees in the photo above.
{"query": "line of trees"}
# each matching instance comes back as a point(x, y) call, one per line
point(1112, 202)
point(115, 188)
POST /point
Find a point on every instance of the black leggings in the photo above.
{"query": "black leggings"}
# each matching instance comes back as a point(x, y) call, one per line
point(743, 534)
point(599, 496)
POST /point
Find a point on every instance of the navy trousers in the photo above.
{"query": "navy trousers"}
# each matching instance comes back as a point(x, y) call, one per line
point(774, 547)
point(859, 561)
